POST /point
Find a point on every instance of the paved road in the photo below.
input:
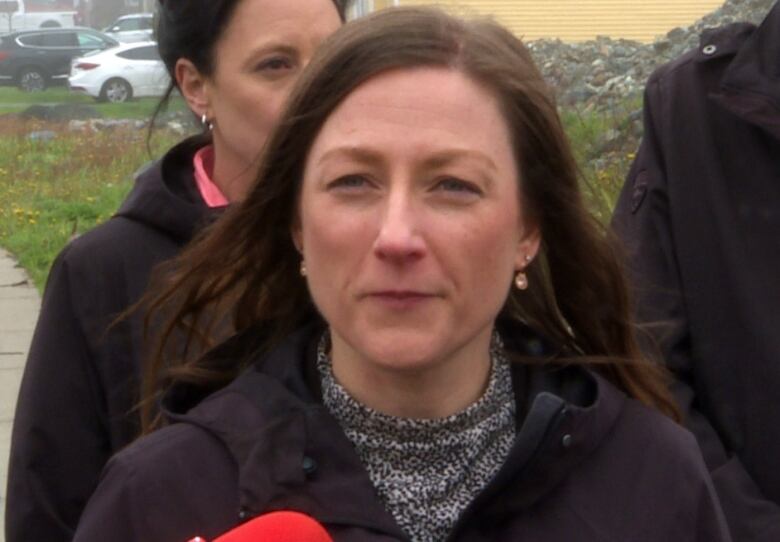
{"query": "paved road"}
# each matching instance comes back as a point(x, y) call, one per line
point(19, 305)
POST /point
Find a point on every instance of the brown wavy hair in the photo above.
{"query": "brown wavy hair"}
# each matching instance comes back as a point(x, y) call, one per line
point(243, 273)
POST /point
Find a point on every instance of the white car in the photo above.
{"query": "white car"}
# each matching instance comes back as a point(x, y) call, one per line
point(132, 28)
point(131, 70)
point(23, 18)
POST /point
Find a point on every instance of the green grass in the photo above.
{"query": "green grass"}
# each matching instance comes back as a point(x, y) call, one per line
point(604, 145)
point(54, 190)
point(51, 95)
point(13, 100)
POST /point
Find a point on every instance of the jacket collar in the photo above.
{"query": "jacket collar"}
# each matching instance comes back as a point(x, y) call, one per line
point(291, 454)
point(165, 196)
point(750, 86)
point(559, 431)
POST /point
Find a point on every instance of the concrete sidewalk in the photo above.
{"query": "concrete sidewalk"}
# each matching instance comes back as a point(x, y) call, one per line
point(19, 306)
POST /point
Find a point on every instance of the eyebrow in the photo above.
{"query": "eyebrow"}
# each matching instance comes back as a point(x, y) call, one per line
point(438, 159)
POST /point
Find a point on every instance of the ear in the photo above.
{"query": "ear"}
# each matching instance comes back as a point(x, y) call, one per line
point(527, 247)
point(194, 87)
point(297, 235)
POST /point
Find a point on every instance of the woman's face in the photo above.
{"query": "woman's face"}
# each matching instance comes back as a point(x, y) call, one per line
point(410, 223)
point(258, 57)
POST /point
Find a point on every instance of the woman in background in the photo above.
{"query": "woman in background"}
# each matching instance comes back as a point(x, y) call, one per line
point(234, 62)
point(445, 350)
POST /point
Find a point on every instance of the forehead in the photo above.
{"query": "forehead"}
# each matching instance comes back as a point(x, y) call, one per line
point(255, 22)
point(427, 106)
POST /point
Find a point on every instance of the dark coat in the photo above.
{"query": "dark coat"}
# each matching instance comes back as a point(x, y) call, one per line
point(700, 215)
point(80, 381)
point(588, 464)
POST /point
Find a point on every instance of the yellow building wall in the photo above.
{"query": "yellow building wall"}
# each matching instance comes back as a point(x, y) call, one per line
point(579, 20)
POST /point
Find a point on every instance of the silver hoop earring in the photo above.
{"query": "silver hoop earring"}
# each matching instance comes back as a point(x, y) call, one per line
point(205, 122)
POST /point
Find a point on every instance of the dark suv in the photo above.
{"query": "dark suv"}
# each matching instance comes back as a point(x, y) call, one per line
point(35, 59)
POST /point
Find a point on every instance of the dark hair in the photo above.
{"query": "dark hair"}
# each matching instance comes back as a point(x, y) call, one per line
point(243, 274)
point(191, 30)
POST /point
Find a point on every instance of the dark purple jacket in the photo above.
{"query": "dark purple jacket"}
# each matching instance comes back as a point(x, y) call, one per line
point(588, 464)
point(79, 386)
point(700, 215)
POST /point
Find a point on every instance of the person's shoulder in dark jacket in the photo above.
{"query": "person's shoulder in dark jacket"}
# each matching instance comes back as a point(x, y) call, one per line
point(717, 47)
point(661, 460)
point(184, 471)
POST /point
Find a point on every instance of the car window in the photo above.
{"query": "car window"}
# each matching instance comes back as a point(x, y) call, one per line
point(60, 39)
point(147, 52)
point(107, 41)
point(89, 41)
point(146, 23)
point(31, 40)
point(129, 24)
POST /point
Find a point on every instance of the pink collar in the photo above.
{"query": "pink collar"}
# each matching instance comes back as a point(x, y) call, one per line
point(203, 161)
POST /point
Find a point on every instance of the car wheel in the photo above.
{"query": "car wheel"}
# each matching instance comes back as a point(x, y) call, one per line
point(116, 91)
point(32, 80)
point(51, 24)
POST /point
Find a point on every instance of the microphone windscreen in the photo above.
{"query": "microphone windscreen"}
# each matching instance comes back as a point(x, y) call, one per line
point(282, 526)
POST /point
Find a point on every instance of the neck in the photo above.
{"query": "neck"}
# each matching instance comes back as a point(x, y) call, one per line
point(440, 389)
point(232, 174)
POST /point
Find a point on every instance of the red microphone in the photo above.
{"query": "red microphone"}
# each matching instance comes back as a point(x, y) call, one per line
point(283, 526)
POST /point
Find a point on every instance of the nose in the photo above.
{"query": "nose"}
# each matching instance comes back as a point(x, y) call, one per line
point(399, 240)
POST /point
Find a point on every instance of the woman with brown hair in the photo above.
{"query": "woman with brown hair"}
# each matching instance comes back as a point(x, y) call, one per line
point(432, 331)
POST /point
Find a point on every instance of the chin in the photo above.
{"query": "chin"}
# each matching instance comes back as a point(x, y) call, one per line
point(405, 351)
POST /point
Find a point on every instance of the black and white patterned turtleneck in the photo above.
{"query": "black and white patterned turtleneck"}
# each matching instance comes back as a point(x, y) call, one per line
point(426, 472)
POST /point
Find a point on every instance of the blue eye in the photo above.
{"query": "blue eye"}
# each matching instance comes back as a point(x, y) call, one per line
point(349, 181)
point(451, 184)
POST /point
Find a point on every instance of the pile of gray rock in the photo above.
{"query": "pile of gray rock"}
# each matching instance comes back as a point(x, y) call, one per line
point(85, 118)
point(601, 72)
point(179, 122)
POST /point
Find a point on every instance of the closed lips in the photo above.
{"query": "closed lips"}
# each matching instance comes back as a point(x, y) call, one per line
point(400, 294)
